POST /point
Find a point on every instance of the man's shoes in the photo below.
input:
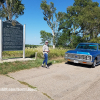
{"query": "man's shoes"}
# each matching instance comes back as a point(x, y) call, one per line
point(47, 67)
point(42, 65)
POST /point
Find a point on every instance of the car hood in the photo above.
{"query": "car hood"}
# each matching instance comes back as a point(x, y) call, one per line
point(86, 52)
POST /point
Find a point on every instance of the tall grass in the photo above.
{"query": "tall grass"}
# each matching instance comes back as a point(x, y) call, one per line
point(30, 52)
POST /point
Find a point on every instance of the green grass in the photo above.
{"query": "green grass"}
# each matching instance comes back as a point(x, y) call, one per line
point(7, 67)
point(16, 54)
point(47, 96)
point(30, 52)
point(9, 76)
point(27, 84)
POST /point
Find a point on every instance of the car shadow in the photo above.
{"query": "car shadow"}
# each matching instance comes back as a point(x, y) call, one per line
point(78, 64)
point(49, 64)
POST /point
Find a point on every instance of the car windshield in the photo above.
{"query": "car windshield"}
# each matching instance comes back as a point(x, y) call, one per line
point(87, 46)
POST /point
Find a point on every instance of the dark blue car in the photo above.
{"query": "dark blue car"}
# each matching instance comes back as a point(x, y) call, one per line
point(85, 53)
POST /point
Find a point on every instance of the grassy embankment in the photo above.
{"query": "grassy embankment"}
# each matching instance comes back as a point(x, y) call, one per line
point(55, 56)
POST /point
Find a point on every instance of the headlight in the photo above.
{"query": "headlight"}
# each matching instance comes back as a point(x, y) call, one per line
point(88, 57)
point(66, 54)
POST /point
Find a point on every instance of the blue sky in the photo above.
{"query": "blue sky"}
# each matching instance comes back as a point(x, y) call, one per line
point(33, 18)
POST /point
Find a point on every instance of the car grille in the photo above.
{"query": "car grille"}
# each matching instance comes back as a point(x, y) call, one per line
point(78, 56)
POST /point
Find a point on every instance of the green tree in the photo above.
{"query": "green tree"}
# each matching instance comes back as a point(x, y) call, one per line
point(11, 9)
point(49, 12)
point(63, 38)
point(87, 13)
point(83, 18)
point(45, 36)
point(95, 40)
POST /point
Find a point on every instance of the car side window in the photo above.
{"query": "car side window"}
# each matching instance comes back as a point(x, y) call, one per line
point(99, 47)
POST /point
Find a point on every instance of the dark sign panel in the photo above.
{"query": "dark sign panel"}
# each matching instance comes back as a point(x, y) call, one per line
point(12, 36)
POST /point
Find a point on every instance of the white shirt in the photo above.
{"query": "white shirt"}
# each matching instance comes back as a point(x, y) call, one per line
point(45, 48)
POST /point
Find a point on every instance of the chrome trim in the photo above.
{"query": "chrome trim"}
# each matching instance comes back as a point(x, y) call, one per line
point(77, 58)
point(80, 61)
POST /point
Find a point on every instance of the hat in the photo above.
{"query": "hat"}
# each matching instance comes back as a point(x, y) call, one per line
point(46, 41)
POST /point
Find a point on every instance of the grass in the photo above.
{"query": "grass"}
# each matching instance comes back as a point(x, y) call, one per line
point(24, 83)
point(7, 67)
point(30, 52)
point(53, 57)
point(9, 76)
point(47, 96)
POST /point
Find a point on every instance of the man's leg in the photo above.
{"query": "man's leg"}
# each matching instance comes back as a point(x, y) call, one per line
point(44, 60)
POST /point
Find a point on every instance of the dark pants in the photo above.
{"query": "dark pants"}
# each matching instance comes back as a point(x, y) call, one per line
point(45, 58)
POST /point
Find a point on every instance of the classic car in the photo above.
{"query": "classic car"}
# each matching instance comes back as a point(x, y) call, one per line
point(85, 53)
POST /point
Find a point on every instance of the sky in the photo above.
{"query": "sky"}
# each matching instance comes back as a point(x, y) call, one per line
point(33, 18)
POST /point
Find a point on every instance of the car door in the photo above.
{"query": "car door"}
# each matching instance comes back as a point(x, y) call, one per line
point(98, 57)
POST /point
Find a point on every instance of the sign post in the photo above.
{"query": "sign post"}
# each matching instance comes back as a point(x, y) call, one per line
point(24, 41)
point(0, 39)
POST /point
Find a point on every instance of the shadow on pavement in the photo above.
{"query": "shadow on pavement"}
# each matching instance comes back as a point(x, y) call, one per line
point(49, 64)
point(78, 65)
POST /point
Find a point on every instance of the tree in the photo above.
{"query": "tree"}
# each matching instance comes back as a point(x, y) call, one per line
point(10, 9)
point(63, 38)
point(83, 18)
point(95, 40)
point(87, 13)
point(49, 12)
point(45, 36)
point(68, 27)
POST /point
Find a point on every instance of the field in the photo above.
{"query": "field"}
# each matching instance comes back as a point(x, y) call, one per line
point(55, 56)
point(30, 52)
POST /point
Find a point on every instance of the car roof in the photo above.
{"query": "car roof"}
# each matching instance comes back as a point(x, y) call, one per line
point(90, 43)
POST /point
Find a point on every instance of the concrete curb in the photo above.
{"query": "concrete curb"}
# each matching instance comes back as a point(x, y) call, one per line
point(16, 59)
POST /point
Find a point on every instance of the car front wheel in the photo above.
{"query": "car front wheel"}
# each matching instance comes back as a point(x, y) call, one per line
point(94, 63)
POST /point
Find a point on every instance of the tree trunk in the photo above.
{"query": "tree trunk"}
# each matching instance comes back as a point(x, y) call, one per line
point(53, 46)
point(10, 16)
point(53, 39)
point(9, 6)
point(10, 13)
point(74, 31)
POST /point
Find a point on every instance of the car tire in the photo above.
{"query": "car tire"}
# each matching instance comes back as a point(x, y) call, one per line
point(94, 63)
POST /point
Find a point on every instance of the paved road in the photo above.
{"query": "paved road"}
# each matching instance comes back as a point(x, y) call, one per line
point(60, 82)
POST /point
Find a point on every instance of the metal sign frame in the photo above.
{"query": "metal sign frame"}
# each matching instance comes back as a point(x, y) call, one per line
point(1, 40)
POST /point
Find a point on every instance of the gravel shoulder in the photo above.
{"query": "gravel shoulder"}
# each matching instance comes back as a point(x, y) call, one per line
point(60, 82)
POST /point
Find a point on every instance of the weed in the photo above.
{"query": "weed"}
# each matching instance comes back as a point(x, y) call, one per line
point(47, 96)
point(27, 84)
point(9, 76)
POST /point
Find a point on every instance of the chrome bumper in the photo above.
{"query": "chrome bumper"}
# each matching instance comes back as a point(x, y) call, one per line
point(78, 61)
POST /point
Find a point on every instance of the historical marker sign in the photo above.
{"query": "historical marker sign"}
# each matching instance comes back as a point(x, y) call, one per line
point(12, 37)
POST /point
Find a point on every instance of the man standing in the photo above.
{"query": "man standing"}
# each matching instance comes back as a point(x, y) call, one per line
point(45, 52)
